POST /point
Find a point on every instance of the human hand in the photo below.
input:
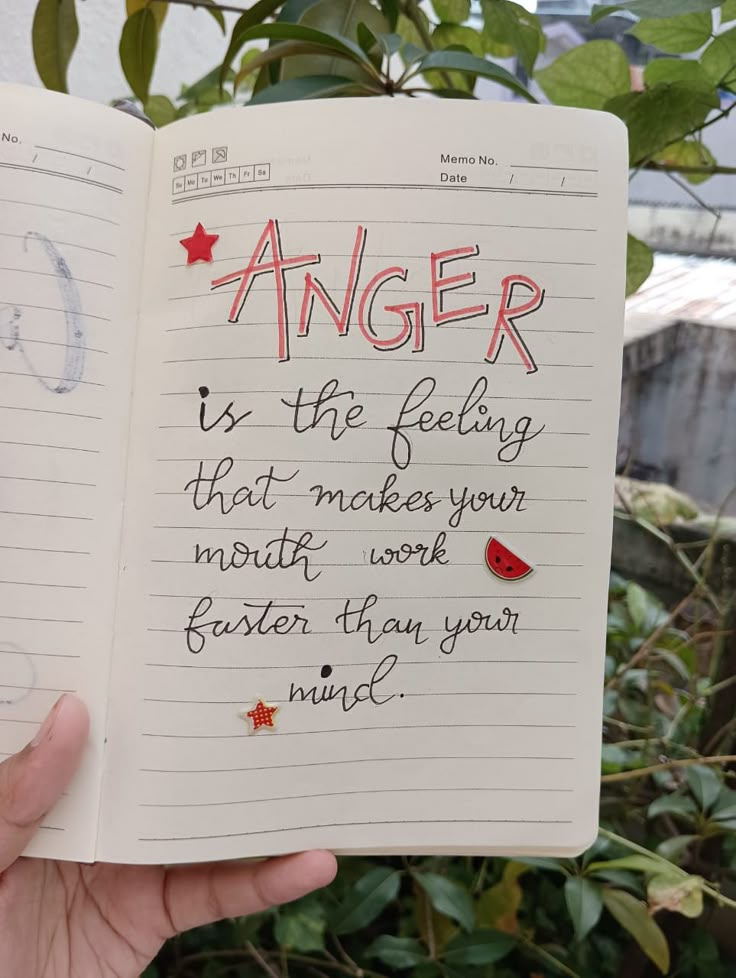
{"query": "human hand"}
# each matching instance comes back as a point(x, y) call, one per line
point(66, 920)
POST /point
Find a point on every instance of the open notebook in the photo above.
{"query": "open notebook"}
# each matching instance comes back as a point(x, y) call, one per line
point(319, 529)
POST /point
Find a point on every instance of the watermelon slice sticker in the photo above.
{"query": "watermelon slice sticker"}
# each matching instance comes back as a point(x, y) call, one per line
point(504, 564)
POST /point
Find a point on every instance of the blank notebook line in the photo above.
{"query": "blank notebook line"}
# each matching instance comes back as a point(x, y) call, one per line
point(363, 791)
point(357, 760)
point(394, 821)
point(349, 730)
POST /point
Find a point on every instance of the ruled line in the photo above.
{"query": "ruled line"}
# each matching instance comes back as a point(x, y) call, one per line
point(28, 305)
point(33, 271)
point(74, 178)
point(307, 702)
point(346, 730)
point(46, 550)
point(61, 414)
point(335, 825)
point(358, 760)
point(62, 210)
point(362, 461)
point(381, 529)
point(386, 597)
point(72, 587)
point(63, 448)
point(338, 794)
point(81, 156)
point(49, 516)
point(446, 661)
point(53, 482)
point(65, 244)
point(371, 220)
point(437, 396)
point(376, 359)
point(21, 373)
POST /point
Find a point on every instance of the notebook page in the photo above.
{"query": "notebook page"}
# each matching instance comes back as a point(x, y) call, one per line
point(73, 180)
point(331, 422)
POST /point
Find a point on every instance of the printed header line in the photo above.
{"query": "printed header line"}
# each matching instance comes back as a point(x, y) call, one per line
point(371, 220)
point(431, 187)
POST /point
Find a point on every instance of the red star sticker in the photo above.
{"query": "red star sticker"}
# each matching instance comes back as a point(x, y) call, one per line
point(199, 245)
point(261, 715)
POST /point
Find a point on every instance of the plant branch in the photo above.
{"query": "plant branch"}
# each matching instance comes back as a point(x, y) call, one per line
point(225, 7)
point(410, 9)
point(646, 646)
point(258, 957)
point(644, 772)
point(705, 171)
point(671, 867)
point(536, 951)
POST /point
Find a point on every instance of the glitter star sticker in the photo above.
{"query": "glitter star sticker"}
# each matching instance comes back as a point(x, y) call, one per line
point(260, 716)
point(199, 245)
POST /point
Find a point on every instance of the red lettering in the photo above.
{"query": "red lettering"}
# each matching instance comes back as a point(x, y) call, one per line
point(441, 284)
point(313, 289)
point(403, 310)
point(270, 239)
point(507, 315)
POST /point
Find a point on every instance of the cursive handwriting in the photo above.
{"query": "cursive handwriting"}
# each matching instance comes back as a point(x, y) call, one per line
point(204, 492)
point(472, 418)
point(477, 621)
point(258, 619)
point(357, 621)
point(363, 692)
point(281, 553)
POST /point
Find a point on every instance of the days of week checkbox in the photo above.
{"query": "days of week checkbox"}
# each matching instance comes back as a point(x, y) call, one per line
point(223, 177)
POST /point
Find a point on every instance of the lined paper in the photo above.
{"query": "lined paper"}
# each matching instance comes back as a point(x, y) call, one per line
point(73, 185)
point(483, 728)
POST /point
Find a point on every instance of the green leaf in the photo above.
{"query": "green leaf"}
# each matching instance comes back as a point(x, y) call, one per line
point(251, 18)
point(307, 87)
point(672, 805)
point(704, 784)
point(542, 862)
point(396, 952)
point(452, 11)
point(678, 895)
point(587, 76)
point(633, 916)
point(461, 61)
point(675, 847)
point(301, 926)
point(338, 19)
point(160, 110)
point(54, 34)
point(217, 14)
point(448, 898)
point(584, 904)
point(390, 10)
point(157, 7)
point(675, 70)
point(676, 35)
point(479, 947)
point(661, 115)
point(688, 152)
point(642, 864)
point(367, 898)
point(725, 806)
point(728, 11)
point(719, 59)
point(454, 35)
point(654, 8)
point(642, 606)
point(138, 46)
point(509, 24)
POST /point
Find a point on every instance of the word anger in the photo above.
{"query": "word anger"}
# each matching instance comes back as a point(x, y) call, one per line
point(268, 258)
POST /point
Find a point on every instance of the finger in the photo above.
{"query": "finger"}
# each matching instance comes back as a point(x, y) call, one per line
point(197, 895)
point(32, 781)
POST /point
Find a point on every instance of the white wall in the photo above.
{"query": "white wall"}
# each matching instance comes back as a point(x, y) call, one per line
point(191, 44)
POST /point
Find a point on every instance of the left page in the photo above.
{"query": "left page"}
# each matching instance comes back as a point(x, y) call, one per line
point(73, 187)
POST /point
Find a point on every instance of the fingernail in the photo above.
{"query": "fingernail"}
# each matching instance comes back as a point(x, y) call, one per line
point(46, 728)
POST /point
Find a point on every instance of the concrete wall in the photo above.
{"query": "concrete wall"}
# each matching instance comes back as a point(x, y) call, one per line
point(191, 45)
point(678, 409)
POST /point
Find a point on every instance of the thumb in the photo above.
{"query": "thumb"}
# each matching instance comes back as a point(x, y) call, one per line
point(32, 780)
